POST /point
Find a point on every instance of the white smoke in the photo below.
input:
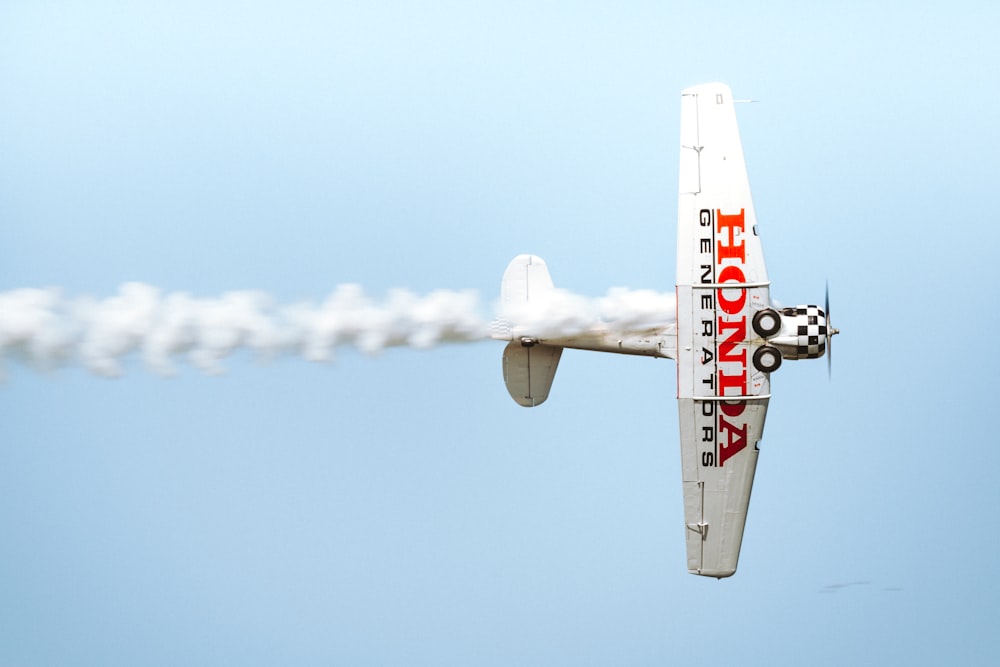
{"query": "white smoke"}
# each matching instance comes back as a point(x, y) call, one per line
point(44, 329)
point(558, 312)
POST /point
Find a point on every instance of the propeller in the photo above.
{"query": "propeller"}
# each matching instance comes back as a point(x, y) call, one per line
point(830, 333)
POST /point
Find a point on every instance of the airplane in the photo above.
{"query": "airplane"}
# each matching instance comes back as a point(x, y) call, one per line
point(726, 335)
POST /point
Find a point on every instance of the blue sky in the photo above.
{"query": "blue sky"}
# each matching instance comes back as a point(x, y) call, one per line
point(402, 509)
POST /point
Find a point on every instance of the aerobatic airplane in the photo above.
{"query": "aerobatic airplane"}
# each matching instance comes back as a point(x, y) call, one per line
point(726, 335)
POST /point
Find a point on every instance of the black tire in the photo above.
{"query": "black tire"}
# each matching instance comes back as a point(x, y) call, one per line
point(766, 323)
point(767, 359)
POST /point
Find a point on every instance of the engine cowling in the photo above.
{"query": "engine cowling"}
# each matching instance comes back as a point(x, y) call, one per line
point(803, 333)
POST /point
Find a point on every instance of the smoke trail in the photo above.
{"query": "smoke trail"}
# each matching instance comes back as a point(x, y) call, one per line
point(44, 329)
point(558, 312)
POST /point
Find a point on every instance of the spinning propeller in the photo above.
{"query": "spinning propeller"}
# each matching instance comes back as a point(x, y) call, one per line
point(830, 333)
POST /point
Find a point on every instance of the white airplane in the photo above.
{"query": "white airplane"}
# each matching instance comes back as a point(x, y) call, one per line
point(726, 335)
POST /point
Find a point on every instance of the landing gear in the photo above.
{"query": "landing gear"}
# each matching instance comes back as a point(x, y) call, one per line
point(767, 358)
point(767, 323)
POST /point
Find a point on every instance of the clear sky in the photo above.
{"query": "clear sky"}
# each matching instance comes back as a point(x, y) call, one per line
point(402, 509)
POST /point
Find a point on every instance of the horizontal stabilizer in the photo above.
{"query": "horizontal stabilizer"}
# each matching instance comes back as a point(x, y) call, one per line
point(528, 371)
point(526, 277)
point(528, 365)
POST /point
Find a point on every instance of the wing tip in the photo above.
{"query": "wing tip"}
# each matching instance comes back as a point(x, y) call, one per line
point(712, 87)
point(715, 574)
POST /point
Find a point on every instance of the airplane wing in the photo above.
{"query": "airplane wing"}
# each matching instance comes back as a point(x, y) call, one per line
point(721, 284)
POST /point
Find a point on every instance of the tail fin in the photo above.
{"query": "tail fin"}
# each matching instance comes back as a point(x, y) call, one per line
point(528, 366)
